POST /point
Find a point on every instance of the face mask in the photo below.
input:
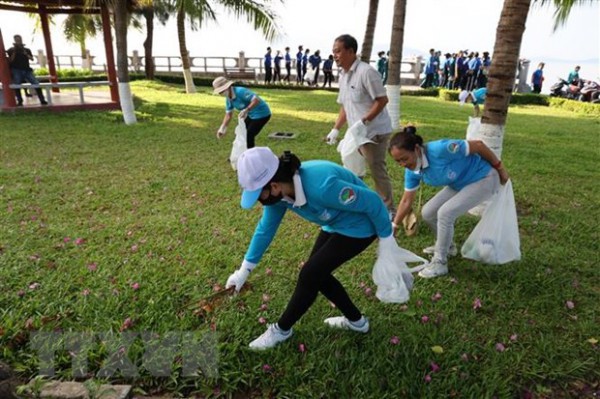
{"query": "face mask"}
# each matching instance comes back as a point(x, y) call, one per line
point(271, 199)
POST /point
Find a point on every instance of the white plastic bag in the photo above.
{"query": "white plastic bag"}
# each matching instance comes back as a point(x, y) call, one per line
point(310, 75)
point(495, 239)
point(473, 128)
point(351, 158)
point(392, 276)
point(239, 143)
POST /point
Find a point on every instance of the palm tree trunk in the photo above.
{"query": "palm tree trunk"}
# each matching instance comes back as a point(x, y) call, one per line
point(121, 21)
point(185, 60)
point(367, 46)
point(394, 61)
point(502, 72)
point(148, 43)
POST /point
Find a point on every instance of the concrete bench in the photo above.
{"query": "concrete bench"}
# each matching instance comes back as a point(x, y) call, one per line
point(242, 74)
point(48, 87)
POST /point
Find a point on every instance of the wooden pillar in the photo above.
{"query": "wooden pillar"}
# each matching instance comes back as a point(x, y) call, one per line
point(110, 58)
point(8, 93)
point(48, 43)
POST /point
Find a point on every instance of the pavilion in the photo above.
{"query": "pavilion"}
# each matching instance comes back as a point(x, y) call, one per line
point(44, 8)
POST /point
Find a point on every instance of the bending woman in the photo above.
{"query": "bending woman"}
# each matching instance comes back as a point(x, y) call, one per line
point(351, 216)
point(470, 173)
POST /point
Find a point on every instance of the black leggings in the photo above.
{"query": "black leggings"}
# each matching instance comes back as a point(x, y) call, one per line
point(329, 252)
point(253, 128)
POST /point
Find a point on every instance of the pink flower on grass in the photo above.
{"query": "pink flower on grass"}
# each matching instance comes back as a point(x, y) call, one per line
point(301, 348)
point(513, 337)
point(266, 297)
point(134, 248)
point(34, 286)
point(66, 239)
point(500, 347)
point(434, 367)
point(92, 267)
point(427, 378)
point(127, 324)
point(135, 286)
point(394, 340)
point(368, 291)
point(262, 320)
point(403, 308)
point(477, 303)
point(79, 241)
point(85, 292)
point(266, 368)
point(570, 304)
point(436, 297)
point(424, 319)
point(264, 307)
point(21, 293)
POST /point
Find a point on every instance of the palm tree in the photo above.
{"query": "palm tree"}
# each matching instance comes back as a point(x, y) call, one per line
point(367, 45)
point(79, 27)
point(506, 56)
point(150, 9)
point(394, 61)
point(199, 11)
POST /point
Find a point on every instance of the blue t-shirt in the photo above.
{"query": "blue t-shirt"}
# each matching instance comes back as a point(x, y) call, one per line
point(268, 59)
point(336, 199)
point(479, 96)
point(242, 99)
point(537, 77)
point(288, 59)
point(449, 164)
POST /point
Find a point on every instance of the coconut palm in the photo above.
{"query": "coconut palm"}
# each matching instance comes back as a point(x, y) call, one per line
point(394, 61)
point(200, 11)
point(367, 44)
point(79, 27)
point(150, 9)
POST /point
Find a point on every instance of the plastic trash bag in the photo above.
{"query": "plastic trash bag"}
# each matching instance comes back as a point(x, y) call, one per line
point(495, 240)
point(351, 158)
point(310, 75)
point(239, 143)
point(391, 274)
point(473, 128)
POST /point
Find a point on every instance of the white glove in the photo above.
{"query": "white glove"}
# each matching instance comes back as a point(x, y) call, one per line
point(221, 132)
point(239, 277)
point(243, 113)
point(332, 136)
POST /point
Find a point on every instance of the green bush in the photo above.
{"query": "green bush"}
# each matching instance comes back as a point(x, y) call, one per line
point(431, 92)
point(528, 99)
point(575, 106)
point(449, 95)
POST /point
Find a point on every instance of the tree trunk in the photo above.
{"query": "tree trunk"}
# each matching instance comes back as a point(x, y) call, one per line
point(501, 77)
point(394, 61)
point(121, 21)
point(148, 43)
point(185, 60)
point(367, 45)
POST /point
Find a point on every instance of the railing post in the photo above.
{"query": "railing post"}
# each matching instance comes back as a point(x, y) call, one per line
point(522, 74)
point(417, 69)
point(86, 62)
point(41, 59)
point(241, 61)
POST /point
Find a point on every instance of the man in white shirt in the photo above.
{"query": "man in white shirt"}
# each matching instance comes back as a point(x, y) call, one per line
point(362, 100)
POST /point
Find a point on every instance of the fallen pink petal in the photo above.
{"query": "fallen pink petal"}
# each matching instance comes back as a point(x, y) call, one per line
point(266, 368)
point(500, 347)
point(424, 319)
point(301, 348)
point(514, 337)
point(403, 308)
point(394, 340)
point(79, 241)
point(368, 291)
point(264, 307)
point(570, 305)
point(436, 297)
point(21, 293)
point(134, 248)
point(34, 286)
point(135, 286)
point(66, 239)
point(262, 320)
point(85, 292)
point(477, 303)
point(266, 297)
point(427, 378)
point(92, 267)
point(434, 367)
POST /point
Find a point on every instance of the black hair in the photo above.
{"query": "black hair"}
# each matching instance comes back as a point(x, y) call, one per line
point(407, 139)
point(288, 165)
point(348, 41)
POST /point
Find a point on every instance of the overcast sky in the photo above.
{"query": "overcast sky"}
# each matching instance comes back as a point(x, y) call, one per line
point(441, 24)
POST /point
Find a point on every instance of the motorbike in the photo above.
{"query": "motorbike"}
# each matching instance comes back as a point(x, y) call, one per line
point(557, 89)
point(589, 92)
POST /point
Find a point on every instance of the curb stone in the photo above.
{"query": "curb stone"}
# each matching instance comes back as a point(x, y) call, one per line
point(76, 390)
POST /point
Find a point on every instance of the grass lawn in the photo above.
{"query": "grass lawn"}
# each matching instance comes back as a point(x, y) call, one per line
point(107, 228)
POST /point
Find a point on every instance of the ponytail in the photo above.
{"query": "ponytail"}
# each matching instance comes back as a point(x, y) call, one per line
point(407, 139)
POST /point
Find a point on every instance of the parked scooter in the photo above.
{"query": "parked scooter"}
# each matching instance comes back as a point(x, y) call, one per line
point(557, 89)
point(590, 92)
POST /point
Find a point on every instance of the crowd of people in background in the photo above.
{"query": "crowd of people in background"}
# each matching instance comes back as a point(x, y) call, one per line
point(308, 67)
point(464, 70)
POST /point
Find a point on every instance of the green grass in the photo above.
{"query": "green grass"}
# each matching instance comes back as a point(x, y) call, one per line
point(157, 204)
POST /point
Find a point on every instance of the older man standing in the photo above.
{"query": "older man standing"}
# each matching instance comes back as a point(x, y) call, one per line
point(362, 100)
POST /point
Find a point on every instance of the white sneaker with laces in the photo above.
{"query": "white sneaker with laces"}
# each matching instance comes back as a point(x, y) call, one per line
point(435, 268)
point(452, 251)
point(270, 338)
point(345, 324)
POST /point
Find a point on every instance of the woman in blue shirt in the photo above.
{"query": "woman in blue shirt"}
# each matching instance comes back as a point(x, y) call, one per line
point(470, 173)
point(350, 214)
point(253, 109)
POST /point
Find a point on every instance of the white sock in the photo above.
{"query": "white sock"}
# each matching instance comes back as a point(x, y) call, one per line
point(359, 323)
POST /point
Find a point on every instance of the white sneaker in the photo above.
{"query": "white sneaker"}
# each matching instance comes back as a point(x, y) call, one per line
point(435, 268)
point(345, 324)
point(270, 338)
point(452, 251)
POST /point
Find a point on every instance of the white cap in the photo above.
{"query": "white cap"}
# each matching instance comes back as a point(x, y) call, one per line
point(462, 96)
point(255, 168)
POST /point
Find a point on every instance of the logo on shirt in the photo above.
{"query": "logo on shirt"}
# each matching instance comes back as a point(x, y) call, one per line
point(451, 175)
point(347, 196)
point(325, 215)
point(453, 148)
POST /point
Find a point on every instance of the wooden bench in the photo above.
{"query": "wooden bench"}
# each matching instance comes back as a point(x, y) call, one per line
point(48, 87)
point(237, 73)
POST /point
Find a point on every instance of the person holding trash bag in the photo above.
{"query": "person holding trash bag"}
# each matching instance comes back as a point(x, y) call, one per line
point(470, 173)
point(352, 216)
point(477, 97)
point(254, 110)
point(362, 99)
